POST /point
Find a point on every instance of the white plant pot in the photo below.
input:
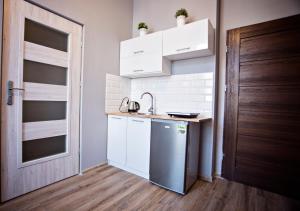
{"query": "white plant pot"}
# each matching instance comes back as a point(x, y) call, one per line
point(181, 20)
point(143, 31)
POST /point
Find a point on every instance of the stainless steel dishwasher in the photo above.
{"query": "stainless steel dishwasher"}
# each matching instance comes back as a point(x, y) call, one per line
point(174, 154)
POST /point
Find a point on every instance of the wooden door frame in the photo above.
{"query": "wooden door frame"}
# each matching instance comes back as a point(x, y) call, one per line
point(232, 79)
point(81, 73)
point(1, 52)
point(231, 102)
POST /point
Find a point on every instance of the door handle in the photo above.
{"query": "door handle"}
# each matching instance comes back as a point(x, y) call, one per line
point(10, 92)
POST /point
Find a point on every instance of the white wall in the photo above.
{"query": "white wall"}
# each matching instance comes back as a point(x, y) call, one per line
point(106, 22)
point(237, 13)
point(159, 15)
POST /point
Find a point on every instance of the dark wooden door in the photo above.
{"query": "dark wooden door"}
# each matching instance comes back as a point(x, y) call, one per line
point(262, 114)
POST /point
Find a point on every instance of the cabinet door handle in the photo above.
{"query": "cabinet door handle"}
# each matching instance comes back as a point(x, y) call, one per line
point(135, 120)
point(183, 49)
point(115, 117)
point(138, 52)
point(138, 71)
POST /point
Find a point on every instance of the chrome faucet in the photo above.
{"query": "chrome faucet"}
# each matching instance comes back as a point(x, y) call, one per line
point(151, 109)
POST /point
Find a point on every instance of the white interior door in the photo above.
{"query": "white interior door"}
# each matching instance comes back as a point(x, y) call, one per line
point(40, 98)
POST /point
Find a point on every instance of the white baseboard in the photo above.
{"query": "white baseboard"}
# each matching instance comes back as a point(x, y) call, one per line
point(126, 168)
point(207, 179)
point(219, 177)
point(93, 167)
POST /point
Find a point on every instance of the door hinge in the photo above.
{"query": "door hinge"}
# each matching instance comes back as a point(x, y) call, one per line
point(228, 89)
point(227, 48)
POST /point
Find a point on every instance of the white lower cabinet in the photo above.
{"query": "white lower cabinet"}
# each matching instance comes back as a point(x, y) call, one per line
point(116, 139)
point(128, 144)
point(138, 145)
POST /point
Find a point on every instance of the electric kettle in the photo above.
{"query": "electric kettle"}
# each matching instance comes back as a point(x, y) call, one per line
point(133, 106)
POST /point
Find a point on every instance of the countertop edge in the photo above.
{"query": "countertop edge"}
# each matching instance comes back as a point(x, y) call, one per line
point(165, 117)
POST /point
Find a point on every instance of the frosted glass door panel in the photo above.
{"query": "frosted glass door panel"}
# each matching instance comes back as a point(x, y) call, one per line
point(36, 72)
point(45, 36)
point(45, 98)
point(35, 111)
point(39, 148)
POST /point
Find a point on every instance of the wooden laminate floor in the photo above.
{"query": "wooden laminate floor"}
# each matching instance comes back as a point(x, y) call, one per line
point(109, 188)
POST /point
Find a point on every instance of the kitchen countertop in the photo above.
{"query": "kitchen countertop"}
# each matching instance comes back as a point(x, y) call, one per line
point(166, 117)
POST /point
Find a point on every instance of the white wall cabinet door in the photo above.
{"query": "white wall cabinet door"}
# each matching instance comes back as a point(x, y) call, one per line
point(138, 144)
point(189, 41)
point(142, 56)
point(143, 65)
point(151, 43)
point(116, 139)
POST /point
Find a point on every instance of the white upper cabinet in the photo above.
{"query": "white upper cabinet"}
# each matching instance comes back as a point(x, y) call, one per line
point(151, 55)
point(142, 57)
point(189, 41)
point(144, 45)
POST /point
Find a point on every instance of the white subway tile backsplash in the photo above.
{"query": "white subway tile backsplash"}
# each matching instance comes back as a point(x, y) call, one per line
point(180, 93)
point(116, 89)
point(208, 83)
point(208, 98)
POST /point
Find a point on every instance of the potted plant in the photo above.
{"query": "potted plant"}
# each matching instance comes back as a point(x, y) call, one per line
point(143, 28)
point(181, 16)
